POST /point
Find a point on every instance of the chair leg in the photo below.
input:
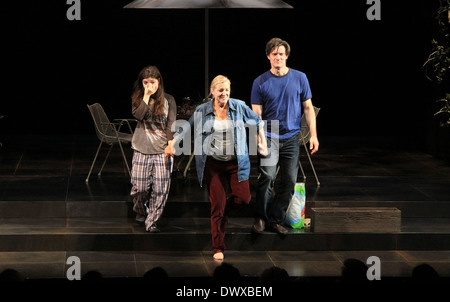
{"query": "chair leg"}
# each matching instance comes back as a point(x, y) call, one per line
point(312, 166)
point(188, 165)
point(104, 161)
point(125, 159)
point(303, 172)
point(93, 162)
point(123, 153)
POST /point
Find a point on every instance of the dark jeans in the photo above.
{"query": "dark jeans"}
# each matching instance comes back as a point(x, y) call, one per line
point(287, 151)
point(224, 190)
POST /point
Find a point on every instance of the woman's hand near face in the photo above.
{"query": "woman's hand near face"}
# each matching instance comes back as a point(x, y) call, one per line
point(150, 87)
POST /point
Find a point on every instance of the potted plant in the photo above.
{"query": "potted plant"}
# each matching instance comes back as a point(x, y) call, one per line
point(437, 69)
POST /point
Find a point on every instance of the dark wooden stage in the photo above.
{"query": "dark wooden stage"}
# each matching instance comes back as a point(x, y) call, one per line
point(48, 213)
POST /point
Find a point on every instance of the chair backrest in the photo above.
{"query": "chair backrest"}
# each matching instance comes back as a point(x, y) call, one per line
point(103, 127)
point(304, 129)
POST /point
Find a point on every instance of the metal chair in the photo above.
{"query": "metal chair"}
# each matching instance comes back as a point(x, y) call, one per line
point(305, 135)
point(109, 133)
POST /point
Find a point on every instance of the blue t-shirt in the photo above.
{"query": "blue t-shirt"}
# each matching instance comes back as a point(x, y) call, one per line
point(281, 98)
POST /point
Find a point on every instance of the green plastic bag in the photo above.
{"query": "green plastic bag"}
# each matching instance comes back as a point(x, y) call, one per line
point(295, 214)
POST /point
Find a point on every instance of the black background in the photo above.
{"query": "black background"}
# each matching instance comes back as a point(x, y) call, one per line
point(367, 76)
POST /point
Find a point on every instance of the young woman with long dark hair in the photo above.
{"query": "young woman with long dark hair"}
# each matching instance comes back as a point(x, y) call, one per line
point(155, 112)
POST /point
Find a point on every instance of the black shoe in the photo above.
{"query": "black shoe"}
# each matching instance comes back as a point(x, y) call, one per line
point(153, 229)
point(140, 219)
point(277, 228)
point(258, 226)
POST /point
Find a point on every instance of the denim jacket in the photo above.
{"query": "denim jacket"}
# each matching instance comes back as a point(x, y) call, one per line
point(203, 119)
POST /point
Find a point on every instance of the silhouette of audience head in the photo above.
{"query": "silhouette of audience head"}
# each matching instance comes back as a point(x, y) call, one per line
point(11, 275)
point(354, 270)
point(424, 272)
point(274, 274)
point(226, 272)
point(156, 274)
point(92, 275)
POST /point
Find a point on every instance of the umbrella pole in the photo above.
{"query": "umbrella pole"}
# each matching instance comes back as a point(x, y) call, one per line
point(206, 52)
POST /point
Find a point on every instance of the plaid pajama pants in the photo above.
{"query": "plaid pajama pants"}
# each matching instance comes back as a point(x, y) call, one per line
point(150, 179)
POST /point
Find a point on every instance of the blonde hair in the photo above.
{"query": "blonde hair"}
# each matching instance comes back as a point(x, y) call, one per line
point(216, 81)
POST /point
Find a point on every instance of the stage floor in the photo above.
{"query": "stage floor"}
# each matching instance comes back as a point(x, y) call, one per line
point(43, 193)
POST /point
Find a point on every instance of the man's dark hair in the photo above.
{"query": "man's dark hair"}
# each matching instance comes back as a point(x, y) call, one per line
point(275, 43)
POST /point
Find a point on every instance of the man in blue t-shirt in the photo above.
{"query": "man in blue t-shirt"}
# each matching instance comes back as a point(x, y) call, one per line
point(278, 96)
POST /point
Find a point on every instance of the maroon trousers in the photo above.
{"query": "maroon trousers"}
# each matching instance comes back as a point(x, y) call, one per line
point(224, 191)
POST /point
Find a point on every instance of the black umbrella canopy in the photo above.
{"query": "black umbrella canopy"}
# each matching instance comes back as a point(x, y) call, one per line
point(206, 5)
point(190, 4)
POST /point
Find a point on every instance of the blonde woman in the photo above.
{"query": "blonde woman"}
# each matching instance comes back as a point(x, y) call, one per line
point(223, 162)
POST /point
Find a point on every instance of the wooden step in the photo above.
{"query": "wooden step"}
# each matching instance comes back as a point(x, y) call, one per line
point(356, 219)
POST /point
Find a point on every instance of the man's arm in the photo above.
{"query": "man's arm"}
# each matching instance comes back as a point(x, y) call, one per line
point(257, 109)
point(310, 115)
